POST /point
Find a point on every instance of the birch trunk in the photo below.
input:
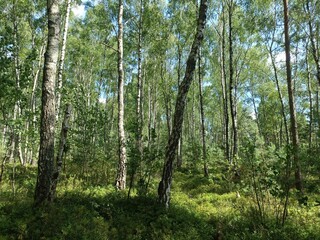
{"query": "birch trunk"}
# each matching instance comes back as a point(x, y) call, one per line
point(232, 88)
point(140, 87)
point(61, 151)
point(62, 57)
point(165, 183)
point(47, 125)
point(122, 166)
point(16, 145)
point(224, 89)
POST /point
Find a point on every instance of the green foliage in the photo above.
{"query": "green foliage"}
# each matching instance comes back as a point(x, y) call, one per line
point(199, 210)
point(87, 206)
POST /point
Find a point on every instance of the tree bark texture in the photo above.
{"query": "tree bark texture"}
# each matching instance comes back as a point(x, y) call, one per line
point(293, 119)
point(224, 89)
point(61, 150)
point(140, 87)
point(16, 144)
point(122, 166)
point(62, 57)
point(232, 87)
point(165, 183)
point(47, 125)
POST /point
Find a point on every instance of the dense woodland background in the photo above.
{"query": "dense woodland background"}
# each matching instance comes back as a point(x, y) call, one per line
point(92, 144)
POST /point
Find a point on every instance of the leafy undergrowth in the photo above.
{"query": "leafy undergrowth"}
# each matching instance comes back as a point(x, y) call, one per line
point(200, 209)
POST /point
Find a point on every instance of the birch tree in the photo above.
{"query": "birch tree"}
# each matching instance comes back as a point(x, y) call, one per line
point(122, 168)
point(165, 183)
point(47, 125)
point(62, 57)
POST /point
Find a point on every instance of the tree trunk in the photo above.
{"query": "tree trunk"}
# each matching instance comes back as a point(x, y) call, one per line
point(224, 89)
point(254, 104)
point(140, 86)
point(293, 119)
point(61, 151)
point(315, 54)
point(232, 87)
point(165, 183)
point(166, 96)
point(279, 94)
point(179, 152)
point(203, 131)
point(310, 101)
point(139, 109)
point(122, 167)
point(33, 100)
point(47, 125)
point(17, 108)
point(62, 57)
point(314, 45)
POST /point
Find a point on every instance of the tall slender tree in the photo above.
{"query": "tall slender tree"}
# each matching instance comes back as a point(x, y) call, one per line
point(232, 84)
point(47, 125)
point(310, 99)
point(293, 117)
point(276, 78)
point(122, 168)
point(165, 183)
point(62, 57)
point(203, 129)
point(140, 85)
point(224, 85)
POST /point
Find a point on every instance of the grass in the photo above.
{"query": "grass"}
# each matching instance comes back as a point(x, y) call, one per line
point(200, 209)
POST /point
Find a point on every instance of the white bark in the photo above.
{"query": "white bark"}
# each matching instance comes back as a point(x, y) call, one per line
point(62, 57)
point(122, 168)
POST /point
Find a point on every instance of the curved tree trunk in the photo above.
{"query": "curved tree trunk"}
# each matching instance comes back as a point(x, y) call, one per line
point(165, 183)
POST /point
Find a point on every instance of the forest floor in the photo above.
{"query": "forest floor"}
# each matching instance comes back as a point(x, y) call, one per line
point(201, 208)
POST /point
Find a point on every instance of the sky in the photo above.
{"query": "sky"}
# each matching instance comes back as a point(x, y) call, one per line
point(79, 11)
